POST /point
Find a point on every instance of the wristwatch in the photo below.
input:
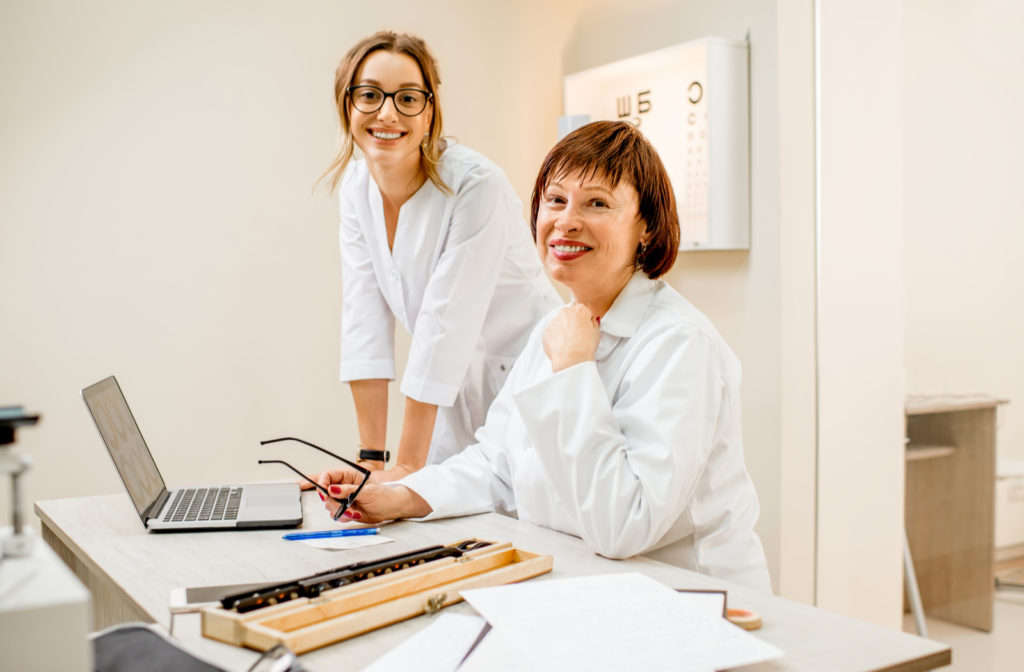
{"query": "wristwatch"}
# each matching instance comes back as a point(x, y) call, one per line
point(374, 455)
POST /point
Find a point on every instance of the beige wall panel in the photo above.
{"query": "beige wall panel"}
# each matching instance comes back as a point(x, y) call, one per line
point(860, 318)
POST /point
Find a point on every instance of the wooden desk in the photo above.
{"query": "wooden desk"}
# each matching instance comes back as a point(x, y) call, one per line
point(950, 504)
point(131, 573)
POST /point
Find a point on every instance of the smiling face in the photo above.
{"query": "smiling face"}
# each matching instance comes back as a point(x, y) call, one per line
point(387, 137)
point(587, 236)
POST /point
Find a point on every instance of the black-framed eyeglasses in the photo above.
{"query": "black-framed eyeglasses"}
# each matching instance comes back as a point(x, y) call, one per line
point(343, 502)
point(368, 99)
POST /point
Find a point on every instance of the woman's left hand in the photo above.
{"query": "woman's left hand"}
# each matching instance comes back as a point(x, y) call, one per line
point(572, 337)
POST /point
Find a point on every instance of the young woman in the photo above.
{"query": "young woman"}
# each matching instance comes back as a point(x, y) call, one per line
point(620, 422)
point(432, 235)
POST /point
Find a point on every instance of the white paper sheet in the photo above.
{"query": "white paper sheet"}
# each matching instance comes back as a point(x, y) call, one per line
point(614, 622)
point(439, 647)
point(345, 543)
point(497, 654)
point(711, 603)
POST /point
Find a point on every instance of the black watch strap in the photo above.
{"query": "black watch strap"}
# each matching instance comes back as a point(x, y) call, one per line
point(374, 455)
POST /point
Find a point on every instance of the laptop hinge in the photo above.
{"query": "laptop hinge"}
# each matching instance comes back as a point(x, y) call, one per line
point(158, 504)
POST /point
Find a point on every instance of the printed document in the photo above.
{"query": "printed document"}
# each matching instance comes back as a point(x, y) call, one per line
point(613, 622)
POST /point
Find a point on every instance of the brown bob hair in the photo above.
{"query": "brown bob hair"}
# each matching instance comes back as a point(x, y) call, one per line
point(344, 76)
point(616, 151)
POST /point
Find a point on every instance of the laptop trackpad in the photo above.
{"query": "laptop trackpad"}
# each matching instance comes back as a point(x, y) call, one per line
point(281, 496)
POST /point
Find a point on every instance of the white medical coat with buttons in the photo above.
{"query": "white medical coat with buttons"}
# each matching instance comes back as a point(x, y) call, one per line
point(463, 278)
point(638, 452)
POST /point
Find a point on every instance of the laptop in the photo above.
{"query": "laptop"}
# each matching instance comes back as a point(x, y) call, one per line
point(202, 508)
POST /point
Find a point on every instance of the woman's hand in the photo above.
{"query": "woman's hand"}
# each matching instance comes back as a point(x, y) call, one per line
point(572, 337)
point(333, 476)
point(337, 476)
point(377, 503)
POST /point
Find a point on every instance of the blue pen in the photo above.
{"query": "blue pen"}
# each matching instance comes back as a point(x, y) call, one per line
point(358, 532)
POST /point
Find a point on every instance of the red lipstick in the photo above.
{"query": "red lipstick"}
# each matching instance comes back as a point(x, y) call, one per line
point(577, 249)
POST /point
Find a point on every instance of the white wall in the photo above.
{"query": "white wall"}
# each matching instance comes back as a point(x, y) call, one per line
point(157, 218)
point(963, 203)
point(797, 314)
point(860, 311)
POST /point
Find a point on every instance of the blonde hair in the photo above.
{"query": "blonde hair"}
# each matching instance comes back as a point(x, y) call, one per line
point(400, 43)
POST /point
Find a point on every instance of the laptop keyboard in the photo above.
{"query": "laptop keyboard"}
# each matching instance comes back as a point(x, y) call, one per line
point(198, 504)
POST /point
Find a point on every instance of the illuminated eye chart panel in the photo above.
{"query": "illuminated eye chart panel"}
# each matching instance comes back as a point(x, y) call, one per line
point(692, 103)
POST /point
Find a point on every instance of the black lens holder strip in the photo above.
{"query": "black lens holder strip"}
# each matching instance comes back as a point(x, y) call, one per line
point(313, 585)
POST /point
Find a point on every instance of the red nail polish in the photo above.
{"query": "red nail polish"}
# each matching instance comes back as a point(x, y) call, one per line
point(334, 490)
point(322, 498)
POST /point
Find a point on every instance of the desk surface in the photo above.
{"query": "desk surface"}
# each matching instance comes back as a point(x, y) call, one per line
point(106, 538)
point(926, 404)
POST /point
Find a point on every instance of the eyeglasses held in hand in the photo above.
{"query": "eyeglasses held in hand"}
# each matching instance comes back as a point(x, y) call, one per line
point(345, 501)
point(368, 99)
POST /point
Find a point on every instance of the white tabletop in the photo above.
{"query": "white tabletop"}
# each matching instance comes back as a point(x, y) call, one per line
point(106, 535)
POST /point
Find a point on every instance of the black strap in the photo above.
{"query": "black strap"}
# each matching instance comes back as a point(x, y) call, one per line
point(374, 455)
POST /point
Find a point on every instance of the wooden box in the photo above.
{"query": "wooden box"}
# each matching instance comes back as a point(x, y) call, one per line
point(305, 624)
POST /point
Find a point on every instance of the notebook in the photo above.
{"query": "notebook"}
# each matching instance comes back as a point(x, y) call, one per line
point(192, 508)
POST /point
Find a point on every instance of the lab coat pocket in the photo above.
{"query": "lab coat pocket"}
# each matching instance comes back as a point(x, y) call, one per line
point(497, 370)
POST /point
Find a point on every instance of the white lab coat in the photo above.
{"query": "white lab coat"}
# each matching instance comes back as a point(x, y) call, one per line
point(463, 278)
point(638, 452)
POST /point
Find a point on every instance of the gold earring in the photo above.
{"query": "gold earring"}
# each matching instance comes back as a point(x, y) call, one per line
point(641, 253)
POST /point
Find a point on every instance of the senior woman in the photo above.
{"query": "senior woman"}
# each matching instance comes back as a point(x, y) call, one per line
point(620, 422)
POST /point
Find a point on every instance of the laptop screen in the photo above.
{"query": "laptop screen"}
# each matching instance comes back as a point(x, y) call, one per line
point(124, 441)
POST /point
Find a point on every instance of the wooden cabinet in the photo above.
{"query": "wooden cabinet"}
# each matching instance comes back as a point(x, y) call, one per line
point(950, 504)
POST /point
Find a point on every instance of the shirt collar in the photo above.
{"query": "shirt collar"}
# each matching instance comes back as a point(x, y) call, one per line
point(623, 318)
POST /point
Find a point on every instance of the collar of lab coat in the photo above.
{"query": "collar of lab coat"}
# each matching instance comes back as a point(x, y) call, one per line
point(629, 306)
